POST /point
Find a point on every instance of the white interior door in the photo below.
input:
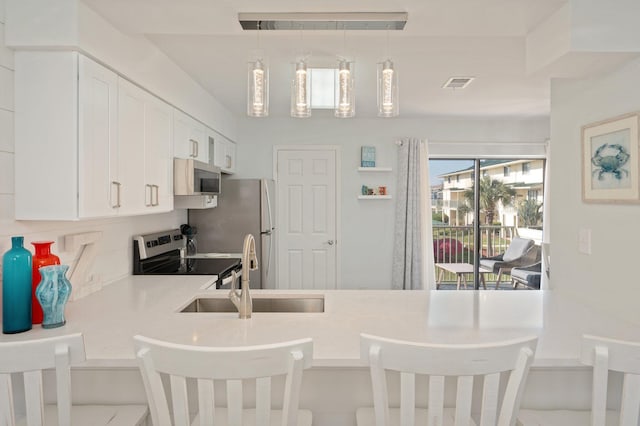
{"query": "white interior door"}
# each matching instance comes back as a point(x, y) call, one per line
point(307, 212)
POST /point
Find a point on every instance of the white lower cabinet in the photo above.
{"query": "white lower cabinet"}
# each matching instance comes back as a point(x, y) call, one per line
point(88, 143)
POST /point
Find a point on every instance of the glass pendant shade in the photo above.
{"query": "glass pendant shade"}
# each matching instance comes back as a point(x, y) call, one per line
point(388, 105)
point(258, 89)
point(345, 95)
point(301, 92)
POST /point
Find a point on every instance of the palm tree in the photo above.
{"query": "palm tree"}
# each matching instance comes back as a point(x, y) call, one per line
point(463, 210)
point(529, 212)
point(492, 192)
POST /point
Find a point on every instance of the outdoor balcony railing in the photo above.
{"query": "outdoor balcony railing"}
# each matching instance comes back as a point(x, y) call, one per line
point(455, 244)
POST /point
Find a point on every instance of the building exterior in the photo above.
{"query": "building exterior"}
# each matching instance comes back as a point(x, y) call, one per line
point(526, 177)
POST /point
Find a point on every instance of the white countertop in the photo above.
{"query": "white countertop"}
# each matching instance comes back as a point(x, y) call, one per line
point(149, 305)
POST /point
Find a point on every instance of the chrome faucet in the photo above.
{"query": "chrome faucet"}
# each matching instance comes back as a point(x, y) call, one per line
point(242, 298)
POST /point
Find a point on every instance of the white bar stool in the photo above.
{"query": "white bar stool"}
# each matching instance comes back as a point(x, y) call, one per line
point(233, 365)
point(30, 358)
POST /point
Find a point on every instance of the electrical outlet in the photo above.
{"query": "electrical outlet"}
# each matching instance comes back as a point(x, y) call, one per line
point(584, 241)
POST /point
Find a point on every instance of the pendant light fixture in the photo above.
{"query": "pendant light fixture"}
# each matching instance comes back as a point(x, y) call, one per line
point(258, 89)
point(300, 91)
point(258, 84)
point(388, 105)
point(345, 105)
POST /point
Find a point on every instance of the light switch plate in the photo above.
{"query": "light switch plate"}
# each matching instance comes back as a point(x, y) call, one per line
point(584, 241)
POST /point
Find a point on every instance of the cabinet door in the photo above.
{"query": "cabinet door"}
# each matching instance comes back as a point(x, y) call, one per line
point(189, 138)
point(224, 152)
point(158, 155)
point(97, 148)
point(134, 195)
point(230, 156)
point(199, 141)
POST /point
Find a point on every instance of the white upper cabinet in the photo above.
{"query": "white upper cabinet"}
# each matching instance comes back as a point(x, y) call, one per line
point(97, 148)
point(144, 132)
point(223, 151)
point(66, 145)
point(88, 143)
point(189, 138)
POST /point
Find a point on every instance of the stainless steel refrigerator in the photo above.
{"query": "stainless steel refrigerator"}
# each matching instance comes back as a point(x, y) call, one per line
point(245, 206)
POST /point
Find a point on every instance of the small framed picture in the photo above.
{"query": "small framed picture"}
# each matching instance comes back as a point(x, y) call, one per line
point(610, 160)
point(368, 156)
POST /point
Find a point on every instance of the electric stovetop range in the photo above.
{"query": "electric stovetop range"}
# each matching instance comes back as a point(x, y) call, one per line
point(160, 254)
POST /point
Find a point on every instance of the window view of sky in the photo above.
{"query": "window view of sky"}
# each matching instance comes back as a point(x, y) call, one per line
point(439, 167)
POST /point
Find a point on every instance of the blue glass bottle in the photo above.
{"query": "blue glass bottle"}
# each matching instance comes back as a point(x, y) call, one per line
point(53, 293)
point(16, 288)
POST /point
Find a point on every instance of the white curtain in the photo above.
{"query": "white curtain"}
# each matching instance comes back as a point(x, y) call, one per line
point(413, 250)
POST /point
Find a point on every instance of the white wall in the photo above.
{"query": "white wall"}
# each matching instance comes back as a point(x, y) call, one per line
point(607, 279)
point(367, 226)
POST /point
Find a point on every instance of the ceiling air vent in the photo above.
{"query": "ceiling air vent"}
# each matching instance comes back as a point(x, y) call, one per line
point(457, 82)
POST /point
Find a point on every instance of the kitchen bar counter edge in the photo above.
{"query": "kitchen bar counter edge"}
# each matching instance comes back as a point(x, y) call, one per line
point(149, 305)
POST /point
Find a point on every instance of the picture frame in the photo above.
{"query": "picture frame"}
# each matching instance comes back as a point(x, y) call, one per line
point(610, 160)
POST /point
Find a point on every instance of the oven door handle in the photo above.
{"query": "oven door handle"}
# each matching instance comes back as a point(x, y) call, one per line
point(226, 280)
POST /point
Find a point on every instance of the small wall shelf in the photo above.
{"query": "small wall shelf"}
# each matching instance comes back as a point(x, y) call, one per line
point(374, 197)
point(374, 169)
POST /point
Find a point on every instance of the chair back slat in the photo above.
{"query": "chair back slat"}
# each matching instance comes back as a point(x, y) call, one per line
point(231, 364)
point(63, 383)
point(292, 389)
point(436, 401)
point(234, 402)
point(599, 383)
point(515, 387)
point(33, 398)
point(152, 381)
point(490, 396)
point(623, 356)
point(7, 413)
point(379, 386)
point(464, 395)
point(180, 401)
point(206, 396)
point(407, 399)
point(439, 361)
point(31, 357)
point(263, 401)
point(630, 407)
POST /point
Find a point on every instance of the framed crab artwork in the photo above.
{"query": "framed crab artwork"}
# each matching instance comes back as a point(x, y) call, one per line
point(610, 160)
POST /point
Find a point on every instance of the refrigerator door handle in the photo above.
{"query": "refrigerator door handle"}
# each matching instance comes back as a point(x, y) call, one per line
point(266, 192)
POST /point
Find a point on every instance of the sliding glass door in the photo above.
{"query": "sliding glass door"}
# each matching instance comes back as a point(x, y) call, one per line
point(478, 207)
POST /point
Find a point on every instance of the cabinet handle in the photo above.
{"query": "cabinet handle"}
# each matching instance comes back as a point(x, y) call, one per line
point(197, 149)
point(157, 188)
point(118, 185)
point(150, 192)
point(228, 161)
point(193, 148)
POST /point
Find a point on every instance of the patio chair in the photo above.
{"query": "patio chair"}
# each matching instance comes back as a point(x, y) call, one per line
point(521, 252)
point(528, 276)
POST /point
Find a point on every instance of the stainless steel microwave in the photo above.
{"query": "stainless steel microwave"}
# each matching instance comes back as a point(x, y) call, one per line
point(191, 177)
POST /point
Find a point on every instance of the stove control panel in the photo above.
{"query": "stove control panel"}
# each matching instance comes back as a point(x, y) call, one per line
point(158, 243)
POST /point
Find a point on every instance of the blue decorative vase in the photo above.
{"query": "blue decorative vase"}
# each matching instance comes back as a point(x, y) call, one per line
point(53, 293)
point(16, 288)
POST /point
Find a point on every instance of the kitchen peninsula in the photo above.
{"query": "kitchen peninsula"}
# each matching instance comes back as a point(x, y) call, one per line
point(150, 305)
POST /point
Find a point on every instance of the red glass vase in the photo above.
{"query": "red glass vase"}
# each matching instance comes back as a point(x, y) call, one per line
point(43, 257)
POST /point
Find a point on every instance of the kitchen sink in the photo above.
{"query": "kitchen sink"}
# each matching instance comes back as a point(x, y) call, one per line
point(307, 304)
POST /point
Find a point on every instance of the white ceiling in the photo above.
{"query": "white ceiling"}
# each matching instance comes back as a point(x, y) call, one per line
point(443, 38)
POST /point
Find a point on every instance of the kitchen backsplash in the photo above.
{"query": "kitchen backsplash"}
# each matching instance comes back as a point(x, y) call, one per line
point(114, 250)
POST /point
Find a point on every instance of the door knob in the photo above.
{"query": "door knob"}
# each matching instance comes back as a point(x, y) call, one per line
point(330, 242)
